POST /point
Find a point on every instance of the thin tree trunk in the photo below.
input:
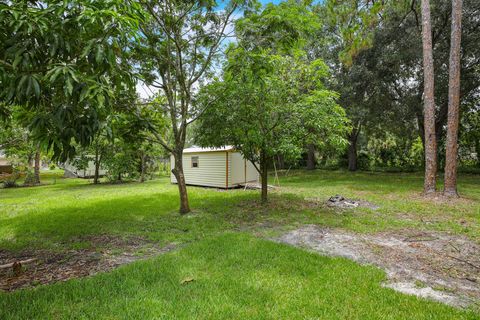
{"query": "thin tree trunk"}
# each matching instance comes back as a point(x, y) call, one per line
point(281, 161)
point(451, 150)
point(142, 174)
point(421, 129)
point(477, 151)
point(429, 186)
point(36, 168)
point(264, 177)
point(311, 157)
point(97, 167)
point(182, 186)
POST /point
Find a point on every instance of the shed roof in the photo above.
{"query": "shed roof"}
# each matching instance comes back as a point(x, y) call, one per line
point(196, 149)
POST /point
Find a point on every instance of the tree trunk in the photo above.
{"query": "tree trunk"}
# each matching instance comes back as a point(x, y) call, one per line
point(36, 168)
point(311, 157)
point(142, 173)
point(182, 186)
point(429, 186)
point(264, 177)
point(451, 150)
point(281, 161)
point(97, 167)
point(421, 129)
point(352, 149)
point(477, 151)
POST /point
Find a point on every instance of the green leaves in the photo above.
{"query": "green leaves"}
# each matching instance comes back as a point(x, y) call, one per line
point(273, 104)
point(352, 23)
point(59, 56)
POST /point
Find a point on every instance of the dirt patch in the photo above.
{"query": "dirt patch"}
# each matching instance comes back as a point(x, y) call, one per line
point(43, 267)
point(432, 265)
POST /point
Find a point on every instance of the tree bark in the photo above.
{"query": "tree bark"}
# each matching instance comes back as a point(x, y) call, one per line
point(311, 157)
point(421, 128)
point(36, 168)
point(281, 161)
point(352, 148)
point(142, 174)
point(97, 167)
point(264, 177)
point(429, 186)
point(451, 151)
point(182, 186)
point(477, 151)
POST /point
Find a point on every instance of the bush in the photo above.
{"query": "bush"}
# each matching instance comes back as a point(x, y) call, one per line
point(10, 180)
point(364, 160)
point(10, 184)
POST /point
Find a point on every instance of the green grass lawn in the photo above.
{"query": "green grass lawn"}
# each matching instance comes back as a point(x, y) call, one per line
point(236, 274)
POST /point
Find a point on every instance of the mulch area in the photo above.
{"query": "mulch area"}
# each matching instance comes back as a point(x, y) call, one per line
point(31, 268)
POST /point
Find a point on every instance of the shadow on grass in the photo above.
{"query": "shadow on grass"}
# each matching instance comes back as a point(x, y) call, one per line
point(153, 216)
point(233, 277)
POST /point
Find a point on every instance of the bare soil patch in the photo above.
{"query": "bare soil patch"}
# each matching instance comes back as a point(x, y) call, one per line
point(434, 265)
point(44, 267)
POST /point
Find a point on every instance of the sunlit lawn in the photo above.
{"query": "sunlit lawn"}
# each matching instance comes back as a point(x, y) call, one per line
point(236, 274)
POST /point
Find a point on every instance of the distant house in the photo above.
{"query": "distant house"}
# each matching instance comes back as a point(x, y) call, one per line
point(5, 165)
point(215, 167)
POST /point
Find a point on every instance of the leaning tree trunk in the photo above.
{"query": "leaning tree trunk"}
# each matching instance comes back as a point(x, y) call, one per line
point(429, 186)
point(182, 186)
point(451, 151)
point(264, 177)
point(311, 157)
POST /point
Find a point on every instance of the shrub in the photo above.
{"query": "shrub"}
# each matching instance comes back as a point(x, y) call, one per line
point(10, 184)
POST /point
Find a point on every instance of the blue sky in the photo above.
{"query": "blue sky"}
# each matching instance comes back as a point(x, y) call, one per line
point(146, 91)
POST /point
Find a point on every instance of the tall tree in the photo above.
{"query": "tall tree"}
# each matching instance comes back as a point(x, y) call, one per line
point(429, 102)
point(268, 104)
point(451, 153)
point(347, 31)
point(179, 42)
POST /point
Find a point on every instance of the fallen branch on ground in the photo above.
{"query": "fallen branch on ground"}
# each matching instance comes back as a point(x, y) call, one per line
point(22, 262)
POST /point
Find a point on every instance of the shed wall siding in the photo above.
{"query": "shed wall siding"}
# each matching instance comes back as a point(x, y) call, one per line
point(243, 170)
point(211, 169)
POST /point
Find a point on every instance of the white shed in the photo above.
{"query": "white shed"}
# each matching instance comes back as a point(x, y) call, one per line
point(215, 167)
point(89, 172)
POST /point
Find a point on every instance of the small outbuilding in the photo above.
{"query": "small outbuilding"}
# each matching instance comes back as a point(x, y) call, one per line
point(5, 165)
point(215, 167)
point(73, 171)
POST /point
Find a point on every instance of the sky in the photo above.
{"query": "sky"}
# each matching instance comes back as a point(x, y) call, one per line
point(146, 92)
